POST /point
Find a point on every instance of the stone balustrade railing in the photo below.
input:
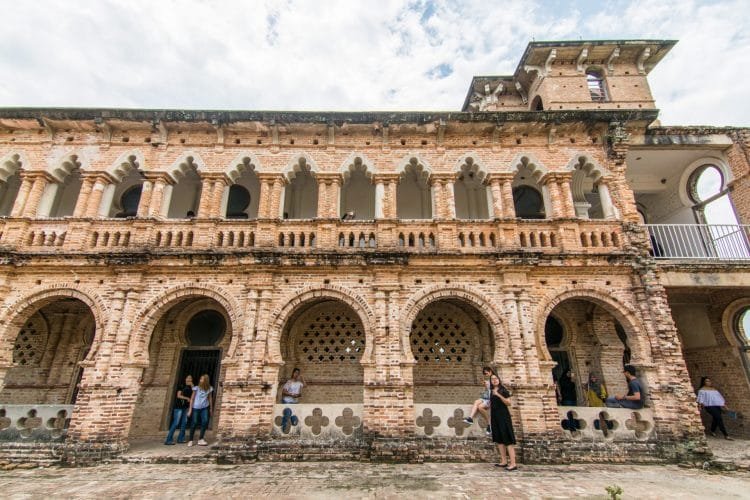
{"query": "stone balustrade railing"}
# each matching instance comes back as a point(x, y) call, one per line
point(606, 424)
point(411, 236)
point(34, 423)
point(319, 421)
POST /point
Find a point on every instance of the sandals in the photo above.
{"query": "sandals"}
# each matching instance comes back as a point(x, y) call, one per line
point(501, 465)
point(511, 469)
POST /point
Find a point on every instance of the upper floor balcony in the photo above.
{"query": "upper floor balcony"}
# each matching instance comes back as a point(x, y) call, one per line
point(695, 242)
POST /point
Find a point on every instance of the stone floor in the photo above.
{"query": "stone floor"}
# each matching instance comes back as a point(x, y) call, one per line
point(362, 480)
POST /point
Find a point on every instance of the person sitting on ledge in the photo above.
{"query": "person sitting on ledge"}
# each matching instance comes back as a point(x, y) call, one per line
point(482, 405)
point(634, 398)
point(291, 391)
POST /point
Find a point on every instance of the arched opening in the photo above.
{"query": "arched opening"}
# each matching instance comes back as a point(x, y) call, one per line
point(67, 188)
point(47, 352)
point(325, 340)
point(414, 195)
point(528, 195)
point(358, 192)
point(126, 193)
point(470, 191)
point(186, 194)
point(10, 183)
point(583, 337)
point(587, 199)
point(244, 195)
point(596, 85)
point(301, 194)
point(537, 104)
point(451, 340)
point(190, 338)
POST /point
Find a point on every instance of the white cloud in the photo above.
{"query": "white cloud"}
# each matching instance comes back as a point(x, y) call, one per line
point(345, 55)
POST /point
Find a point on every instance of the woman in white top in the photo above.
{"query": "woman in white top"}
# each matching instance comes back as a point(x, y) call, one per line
point(713, 402)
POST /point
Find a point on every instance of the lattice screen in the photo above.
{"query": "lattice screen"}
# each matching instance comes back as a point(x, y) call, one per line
point(333, 334)
point(438, 336)
point(30, 343)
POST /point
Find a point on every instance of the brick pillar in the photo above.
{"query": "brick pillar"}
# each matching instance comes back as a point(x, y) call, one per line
point(264, 204)
point(566, 195)
point(31, 207)
point(101, 182)
point(27, 180)
point(83, 196)
point(437, 193)
point(274, 206)
point(450, 199)
point(497, 198)
point(385, 196)
point(555, 199)
point(507, 195)
point(145, 201)
point(207, 189)
point(156, 203)
point(335, 197)
point(323, 194)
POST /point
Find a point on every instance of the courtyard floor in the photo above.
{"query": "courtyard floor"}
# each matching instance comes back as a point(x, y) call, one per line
point(362, 480)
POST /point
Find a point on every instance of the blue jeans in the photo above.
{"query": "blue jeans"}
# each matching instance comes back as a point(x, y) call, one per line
point(611, 402)
point(199, 415)
point(179, 417)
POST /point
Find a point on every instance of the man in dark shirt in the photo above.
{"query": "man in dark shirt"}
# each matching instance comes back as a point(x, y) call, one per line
point(181, 406)
point(634, 398)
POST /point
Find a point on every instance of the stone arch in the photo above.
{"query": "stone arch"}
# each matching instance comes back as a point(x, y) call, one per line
point(683, 188)
point(414, 161)
point(461, 292)
point(18, 312)
point(11, 163)
point(471, 195)
point(728, 320)
point(529, 160)
point(60, 168)
point(299, 162)
point(588, 166)
point(471, 162)
point(150, 314)
point(626, 316)
point(357, 161)
point(126, 163)
point(243, 162)
point(293, 302)
point(183, 163)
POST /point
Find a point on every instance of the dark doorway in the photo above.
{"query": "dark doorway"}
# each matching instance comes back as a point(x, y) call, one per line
point(197, 362)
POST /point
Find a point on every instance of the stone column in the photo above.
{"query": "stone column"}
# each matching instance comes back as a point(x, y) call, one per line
point(264, 204)
point(207, 189)
point(27, 180)
point(509, 208)
point(35, 195)
point(608, 208)
point(106, 205)
point(83, 196)
point(566, 195)
point(323, 194)
point(101, 182)
point(145, 202)
point(385, 196)
point(550, 181)
point(277, 190)
point(160, 183)
point(497, 197)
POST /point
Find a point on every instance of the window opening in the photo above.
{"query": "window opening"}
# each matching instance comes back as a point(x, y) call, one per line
point(595, 83)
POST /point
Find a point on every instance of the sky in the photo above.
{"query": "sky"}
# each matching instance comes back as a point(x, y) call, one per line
point(350, 55)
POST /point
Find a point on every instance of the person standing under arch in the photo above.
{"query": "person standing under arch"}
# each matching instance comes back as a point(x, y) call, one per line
point(501, 423)
point(711, 400)
point(201, 408)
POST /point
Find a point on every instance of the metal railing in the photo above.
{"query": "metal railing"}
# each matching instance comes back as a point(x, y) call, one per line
point(700, 241)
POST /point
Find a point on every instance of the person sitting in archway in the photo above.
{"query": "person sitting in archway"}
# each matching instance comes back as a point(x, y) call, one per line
point(634, 398)
point(291, 391)
point(482, 405)
point(596, 392)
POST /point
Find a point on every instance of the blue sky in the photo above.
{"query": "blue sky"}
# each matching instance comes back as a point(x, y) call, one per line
point(349, 55)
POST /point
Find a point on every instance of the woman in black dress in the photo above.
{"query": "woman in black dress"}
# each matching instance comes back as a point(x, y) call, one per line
point(502, 425)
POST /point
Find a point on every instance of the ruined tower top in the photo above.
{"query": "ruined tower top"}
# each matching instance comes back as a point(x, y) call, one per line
point(588, 74)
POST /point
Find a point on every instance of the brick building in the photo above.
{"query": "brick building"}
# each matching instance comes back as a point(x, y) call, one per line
point(550, 224)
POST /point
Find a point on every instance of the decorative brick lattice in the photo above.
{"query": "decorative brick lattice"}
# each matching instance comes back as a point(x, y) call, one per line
point(29, 346)
point(4, 421)
point(428, 421)
point(58, 424)
point(641, 427)
point(456, 422)
point(347, 421)
point(438, 337)
point(27, 424)
point(333, 335)
point(317, 421)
